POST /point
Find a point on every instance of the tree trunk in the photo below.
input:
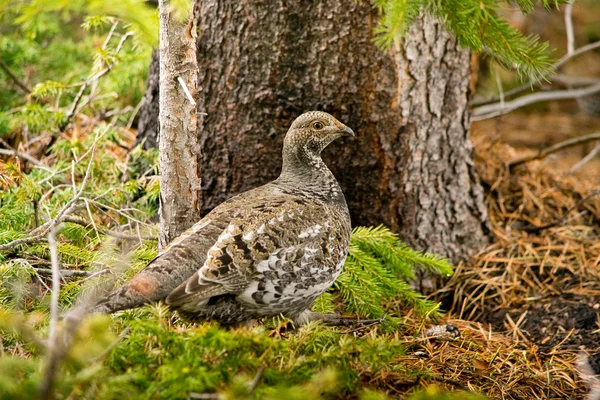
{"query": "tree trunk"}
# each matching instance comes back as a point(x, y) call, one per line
point(180, 155)
point(263, 63)
point(440, 202)
point(148, 122)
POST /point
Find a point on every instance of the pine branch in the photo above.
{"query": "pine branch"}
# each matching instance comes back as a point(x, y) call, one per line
point(477, 25)
point(400, 258)
point(532, 84)
point(378, 270)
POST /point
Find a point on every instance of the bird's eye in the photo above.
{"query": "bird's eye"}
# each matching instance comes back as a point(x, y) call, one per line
point(318, 125)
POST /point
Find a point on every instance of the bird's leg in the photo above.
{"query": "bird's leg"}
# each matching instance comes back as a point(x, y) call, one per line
point(334, 319)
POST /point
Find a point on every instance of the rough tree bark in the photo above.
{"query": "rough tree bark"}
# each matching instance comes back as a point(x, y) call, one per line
point(440, 202)
point(263, 63)
point(148, 121)
point(180, 155)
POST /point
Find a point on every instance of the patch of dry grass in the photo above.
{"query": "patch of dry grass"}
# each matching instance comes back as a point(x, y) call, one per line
point(548, 247)
point(492, 363)
point(548, 237)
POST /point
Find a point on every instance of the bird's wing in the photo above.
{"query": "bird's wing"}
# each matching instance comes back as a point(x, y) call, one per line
point(223, 271)
point(181, 258)
point(173, 265)
point(270, 239)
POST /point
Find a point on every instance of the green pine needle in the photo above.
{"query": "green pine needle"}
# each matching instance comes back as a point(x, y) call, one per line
point(478, 26)
point(378, 271)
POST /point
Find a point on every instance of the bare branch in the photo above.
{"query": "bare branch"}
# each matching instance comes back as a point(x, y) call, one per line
point(569, 28)
point(55, 284)
point(87, 206)
point(120, 212)
point(554, 148)
point(26, 263)
point(589, 157)
point(575, 53)
point(92, 98)
point(65, 123)
point(118, 235)
point(532, 84)
point(496, 110)
point(123, 39)
point(575, 81)
point(83, 156)
point(14, 78)
point(110, 33)
point(114, 344)
point(53, 352)
point(75, 105)
point(135, 112)
point(66, 210)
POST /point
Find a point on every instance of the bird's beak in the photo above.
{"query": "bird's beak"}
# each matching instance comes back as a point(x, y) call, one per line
point(347, 131)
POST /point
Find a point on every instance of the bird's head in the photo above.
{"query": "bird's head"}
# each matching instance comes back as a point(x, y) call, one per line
point(311, 132)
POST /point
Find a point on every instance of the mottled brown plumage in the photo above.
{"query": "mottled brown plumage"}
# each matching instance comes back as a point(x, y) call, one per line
point(271, 250)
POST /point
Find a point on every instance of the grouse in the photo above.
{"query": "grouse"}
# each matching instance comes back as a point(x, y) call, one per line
point(268, 251)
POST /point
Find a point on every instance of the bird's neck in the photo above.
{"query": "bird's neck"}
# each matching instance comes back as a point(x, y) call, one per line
point(305, 171)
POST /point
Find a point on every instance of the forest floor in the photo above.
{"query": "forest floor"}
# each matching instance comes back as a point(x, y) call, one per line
point(527, 306)
point(539, 284)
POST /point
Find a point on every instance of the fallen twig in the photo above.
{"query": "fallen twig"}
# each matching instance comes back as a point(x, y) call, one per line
point(10, 151)
point(554, 148)
point(589, 157)
point(557, 222)
point(562, 220)
point(24, 156)
point(206, 396)
point(55, 284)
point(65, 273)
point(256, 380)
point(135, 112)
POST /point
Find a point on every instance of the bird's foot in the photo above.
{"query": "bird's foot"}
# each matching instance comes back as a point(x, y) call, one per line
point(353, 321)
point(334, 319)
